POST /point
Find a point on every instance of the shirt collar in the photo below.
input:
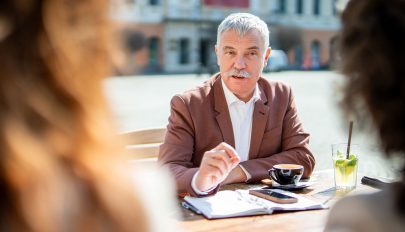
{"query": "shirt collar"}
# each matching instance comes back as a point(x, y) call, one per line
point(231, 98)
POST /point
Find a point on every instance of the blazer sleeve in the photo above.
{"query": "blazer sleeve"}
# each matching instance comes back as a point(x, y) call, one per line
point(294, 147)
point(176, 153)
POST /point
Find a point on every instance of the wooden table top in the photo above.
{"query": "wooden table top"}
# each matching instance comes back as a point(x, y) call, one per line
point(322, 191)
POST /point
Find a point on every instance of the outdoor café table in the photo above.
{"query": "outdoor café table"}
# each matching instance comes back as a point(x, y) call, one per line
point(311, 220)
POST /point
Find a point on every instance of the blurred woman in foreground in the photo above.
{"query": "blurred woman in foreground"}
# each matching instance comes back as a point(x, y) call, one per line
point(59, 167)
point(373, 56)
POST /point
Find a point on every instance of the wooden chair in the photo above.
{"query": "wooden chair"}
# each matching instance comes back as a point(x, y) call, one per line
point(144, 143)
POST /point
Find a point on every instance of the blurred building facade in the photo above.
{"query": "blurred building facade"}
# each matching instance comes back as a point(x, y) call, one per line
point(179, 35)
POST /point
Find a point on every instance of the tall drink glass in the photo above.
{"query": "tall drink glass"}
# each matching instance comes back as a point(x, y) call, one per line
point(345, 168)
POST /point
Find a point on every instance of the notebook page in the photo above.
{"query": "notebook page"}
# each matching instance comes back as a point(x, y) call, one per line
point(225, 204)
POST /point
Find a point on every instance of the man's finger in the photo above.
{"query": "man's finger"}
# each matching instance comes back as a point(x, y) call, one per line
point(211, 173)
point(233, 155)
point(219, 163)
point(217, 172)
point(215, 166)
point(220, 156)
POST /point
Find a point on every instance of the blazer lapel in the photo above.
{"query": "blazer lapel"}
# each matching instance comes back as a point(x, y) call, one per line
point(223, 117)
point(259, 120)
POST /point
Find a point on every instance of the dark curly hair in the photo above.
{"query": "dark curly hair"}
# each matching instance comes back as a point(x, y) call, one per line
point(372, 47)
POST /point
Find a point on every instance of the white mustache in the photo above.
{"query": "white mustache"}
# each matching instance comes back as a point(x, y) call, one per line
point(235, 72)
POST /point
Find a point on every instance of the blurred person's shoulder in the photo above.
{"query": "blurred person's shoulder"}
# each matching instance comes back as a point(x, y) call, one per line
point(156, 188)
point(366, 212)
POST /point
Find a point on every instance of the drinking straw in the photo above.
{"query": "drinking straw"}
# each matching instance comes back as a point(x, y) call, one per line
point(349, 140)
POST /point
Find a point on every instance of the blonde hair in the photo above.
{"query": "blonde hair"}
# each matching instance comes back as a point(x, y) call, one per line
point(59, 165)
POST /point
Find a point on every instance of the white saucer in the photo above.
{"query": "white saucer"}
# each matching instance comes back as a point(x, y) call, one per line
point(300, 185)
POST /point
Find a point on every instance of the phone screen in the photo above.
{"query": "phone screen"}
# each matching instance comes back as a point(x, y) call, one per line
point(274, 194)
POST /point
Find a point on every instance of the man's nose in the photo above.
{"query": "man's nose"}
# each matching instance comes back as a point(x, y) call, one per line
point(240, 63)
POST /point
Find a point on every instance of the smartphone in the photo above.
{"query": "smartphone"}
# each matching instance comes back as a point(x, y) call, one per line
point(273, 196)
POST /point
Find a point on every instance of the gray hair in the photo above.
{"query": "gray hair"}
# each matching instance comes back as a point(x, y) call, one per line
point(243, 23)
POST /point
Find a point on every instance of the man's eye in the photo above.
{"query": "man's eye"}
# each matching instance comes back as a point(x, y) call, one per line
point(230, 53)
point(252, 53)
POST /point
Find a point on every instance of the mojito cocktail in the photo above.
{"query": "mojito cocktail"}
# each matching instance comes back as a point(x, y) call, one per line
point(345, 168)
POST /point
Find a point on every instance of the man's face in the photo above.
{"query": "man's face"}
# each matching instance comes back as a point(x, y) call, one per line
point(241, 61)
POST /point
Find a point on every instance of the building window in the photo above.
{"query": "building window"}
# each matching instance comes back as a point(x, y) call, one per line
point(315, 54)
point(205, 49)
point(184, 51)
point(334, 7)
point(281, 6)
point(298, 56)
point(153, 2)
point(317, 7)
point(299, 8)
point(153, 51)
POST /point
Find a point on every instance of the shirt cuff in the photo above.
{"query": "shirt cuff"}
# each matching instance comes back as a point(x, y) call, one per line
point(248, 176)
point(193, 186)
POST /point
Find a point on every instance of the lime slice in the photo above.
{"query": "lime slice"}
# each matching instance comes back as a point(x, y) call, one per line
point(340, 162)
point(349, 170)
point(352, 160)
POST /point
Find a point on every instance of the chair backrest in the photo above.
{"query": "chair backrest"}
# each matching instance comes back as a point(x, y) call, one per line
point(144, 143)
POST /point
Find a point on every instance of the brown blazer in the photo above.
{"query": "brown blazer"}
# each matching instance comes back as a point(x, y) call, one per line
point(200, 120)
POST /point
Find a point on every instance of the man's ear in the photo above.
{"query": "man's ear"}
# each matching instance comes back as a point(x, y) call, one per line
point(267, 55)
point(216, 53)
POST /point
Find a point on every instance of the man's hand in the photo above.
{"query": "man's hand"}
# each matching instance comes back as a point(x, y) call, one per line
point(237, 175)
point(215, 166)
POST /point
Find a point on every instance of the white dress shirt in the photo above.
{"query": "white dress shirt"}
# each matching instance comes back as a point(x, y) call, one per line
point(241, 117)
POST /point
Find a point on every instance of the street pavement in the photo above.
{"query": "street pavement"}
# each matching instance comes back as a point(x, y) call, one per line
point(144, 101)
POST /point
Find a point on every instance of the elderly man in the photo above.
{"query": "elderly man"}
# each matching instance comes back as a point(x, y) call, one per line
point(237, 125)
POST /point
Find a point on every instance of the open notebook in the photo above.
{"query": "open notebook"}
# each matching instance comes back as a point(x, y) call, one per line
point(239, 203)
